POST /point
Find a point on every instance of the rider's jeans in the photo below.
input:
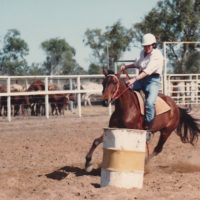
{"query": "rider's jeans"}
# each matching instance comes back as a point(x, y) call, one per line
point(150, 86)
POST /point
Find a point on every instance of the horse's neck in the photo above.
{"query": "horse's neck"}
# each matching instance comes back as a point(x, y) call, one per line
point(128, 110)
point(127, 102)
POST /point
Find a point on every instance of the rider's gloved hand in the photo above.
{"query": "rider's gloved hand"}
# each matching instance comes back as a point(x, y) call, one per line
point(130, 82)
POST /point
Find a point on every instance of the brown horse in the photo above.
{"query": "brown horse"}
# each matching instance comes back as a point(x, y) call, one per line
point(37, 101)
point(58, 102)
point(127, 115)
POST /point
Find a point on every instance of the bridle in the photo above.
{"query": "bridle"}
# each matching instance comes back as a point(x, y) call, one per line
point(117, 90)
point(116, 94)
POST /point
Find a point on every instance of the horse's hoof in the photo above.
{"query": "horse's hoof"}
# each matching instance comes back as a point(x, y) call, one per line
point(89, 168)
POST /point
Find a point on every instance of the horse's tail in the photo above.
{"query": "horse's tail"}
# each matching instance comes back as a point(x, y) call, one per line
point(188, 128)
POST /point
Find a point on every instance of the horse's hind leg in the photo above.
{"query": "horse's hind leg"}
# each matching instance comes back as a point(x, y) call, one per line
point(88, 158)
point(164, 134)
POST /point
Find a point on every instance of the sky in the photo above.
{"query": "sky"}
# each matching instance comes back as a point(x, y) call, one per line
point(41, 20)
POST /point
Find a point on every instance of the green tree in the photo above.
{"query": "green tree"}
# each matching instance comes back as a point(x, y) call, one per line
point(78, 70)
point(12, 57)
point(60, 57)
point(193, 63)
point(108, 46)
point(36, 69)
point(173, 20)
point(94, 69)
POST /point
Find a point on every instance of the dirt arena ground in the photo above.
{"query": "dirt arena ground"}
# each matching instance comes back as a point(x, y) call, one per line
point(43, 159)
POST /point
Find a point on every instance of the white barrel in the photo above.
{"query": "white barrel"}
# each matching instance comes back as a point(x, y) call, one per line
point(123, 158)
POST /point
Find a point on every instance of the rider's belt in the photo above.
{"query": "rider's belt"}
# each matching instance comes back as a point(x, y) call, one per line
point(155, 75)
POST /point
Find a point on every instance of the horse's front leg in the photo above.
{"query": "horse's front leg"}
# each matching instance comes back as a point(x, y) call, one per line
point(88, 158)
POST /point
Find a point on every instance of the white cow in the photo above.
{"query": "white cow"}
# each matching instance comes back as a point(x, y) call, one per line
point(93, 89)
point(17, 88)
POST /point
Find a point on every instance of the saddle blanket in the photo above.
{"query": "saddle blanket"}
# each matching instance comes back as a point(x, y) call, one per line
point(160, 107)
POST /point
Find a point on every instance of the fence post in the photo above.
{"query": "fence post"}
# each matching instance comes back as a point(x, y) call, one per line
point(71, 88)
point(165, 69)
point(8, 100)
point(79, 95)
point(46, 98)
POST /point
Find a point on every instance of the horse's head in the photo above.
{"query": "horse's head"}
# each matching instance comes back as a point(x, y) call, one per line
point(111, 85)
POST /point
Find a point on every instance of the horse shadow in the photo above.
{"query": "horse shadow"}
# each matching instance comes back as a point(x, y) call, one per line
point(65, 171)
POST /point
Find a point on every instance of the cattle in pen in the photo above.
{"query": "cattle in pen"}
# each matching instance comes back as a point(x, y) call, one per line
point(93, 92)
point(18, 102)
point(58, 102)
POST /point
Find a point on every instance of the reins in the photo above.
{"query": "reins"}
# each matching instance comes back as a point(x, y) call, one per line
point(115, 96)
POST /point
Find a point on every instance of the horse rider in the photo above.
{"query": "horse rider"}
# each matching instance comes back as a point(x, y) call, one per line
point(150, 65)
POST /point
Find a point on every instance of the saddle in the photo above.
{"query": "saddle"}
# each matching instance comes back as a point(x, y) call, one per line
point(160, 107)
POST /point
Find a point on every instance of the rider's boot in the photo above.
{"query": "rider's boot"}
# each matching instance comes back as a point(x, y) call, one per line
point(148, 128)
